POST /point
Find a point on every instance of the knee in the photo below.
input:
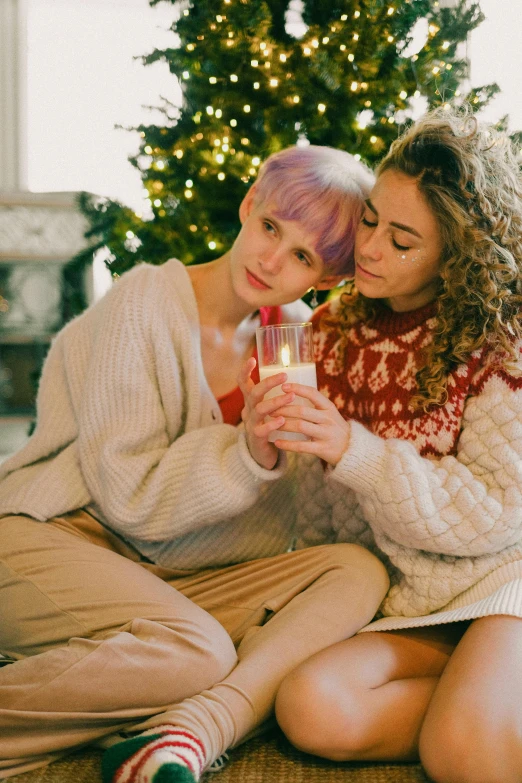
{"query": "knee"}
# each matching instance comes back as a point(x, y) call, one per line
point(350, 555)
point(214, 649)
point(223, 655)
point(458, 749)
point(183, 657)
point(316, 717)
point(355, 559)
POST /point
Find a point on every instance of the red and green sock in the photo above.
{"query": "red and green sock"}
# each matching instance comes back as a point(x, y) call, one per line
point(166, 754)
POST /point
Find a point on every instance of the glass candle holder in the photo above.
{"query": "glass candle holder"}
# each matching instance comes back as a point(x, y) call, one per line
point(287, 348)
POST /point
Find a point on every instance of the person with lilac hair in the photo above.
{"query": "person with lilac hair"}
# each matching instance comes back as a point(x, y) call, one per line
point(146, 579)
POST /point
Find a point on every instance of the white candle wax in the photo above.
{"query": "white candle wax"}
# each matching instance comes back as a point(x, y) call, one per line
point(296, 373)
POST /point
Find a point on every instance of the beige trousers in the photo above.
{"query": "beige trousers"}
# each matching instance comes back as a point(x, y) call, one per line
point(105, 642)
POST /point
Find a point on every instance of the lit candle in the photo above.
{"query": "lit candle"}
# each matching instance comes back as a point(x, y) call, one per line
point(297, 366)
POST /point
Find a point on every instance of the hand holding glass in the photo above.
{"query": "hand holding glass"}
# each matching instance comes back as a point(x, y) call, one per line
point(287, 348)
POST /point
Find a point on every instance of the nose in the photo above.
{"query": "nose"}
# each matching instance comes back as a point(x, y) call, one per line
point(369, 245)
point(272, 260)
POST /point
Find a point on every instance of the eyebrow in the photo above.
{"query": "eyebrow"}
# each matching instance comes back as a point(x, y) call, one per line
point(401, 226)
point(314, 255)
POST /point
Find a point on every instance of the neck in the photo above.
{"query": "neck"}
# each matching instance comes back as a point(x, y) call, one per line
point(217, 303)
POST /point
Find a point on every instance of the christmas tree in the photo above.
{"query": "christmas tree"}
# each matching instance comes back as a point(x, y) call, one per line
point(251, 88)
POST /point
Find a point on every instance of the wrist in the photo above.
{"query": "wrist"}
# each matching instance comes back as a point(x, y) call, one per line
point(272, 463)
point(258, 463)
point(265, 459)
point(346, 430)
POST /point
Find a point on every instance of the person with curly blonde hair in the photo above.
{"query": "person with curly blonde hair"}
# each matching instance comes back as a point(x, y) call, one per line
point(415, 451)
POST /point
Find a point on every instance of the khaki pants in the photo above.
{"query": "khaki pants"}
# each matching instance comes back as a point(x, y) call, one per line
point(105, 642)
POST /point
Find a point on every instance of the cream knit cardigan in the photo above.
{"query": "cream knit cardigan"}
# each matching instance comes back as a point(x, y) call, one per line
point(128, 427)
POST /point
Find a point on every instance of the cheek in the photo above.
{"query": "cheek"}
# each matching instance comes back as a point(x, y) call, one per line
point(409, 258)
point(418, 270)
point(299, 281)
point(363, 238)
point(359, 237)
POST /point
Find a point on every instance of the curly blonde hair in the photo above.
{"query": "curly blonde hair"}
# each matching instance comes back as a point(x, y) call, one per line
point(469, 175)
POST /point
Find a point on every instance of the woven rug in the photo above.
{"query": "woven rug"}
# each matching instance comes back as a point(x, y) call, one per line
point(266, 759)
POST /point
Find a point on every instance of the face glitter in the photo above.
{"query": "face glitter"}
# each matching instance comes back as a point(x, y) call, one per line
point(413, 259)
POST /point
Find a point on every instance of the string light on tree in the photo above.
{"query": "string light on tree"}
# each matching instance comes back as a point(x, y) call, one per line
point(356, 61)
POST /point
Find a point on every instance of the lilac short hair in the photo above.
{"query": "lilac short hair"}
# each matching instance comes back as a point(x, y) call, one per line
point(323, 188)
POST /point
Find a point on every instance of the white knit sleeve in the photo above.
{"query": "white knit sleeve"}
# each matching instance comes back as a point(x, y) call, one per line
point(464, 505)
point(151, 484)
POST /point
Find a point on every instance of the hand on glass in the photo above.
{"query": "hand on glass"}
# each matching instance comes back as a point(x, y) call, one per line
point(256, 409)
point(329, 433)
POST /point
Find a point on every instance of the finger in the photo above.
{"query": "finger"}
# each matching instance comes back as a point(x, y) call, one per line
point(309, 393)
point(297, 446)
point(258, 391)
point(244, 380)
point(246, 370)
point(267, 407)
point(272, 381)
point(264, 430)
point(312, 431)
point(303, 412)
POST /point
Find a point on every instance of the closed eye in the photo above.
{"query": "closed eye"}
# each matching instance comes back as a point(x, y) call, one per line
point(400, 247)
point(367, 222)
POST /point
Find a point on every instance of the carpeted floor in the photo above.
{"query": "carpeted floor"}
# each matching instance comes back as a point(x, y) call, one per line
point(267, 759)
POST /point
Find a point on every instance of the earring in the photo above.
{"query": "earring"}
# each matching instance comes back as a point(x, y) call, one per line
point(314, 300)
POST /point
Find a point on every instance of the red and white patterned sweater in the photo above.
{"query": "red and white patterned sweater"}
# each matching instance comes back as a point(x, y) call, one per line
point(437, 495)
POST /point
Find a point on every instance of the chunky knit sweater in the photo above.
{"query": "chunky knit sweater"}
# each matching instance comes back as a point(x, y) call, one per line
point(438, 495)
point(128, 427)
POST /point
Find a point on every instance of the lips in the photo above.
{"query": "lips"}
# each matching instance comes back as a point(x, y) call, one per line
point(364, 272)
point(256, 282)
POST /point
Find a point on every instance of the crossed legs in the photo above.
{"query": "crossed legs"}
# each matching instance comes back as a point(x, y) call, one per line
point(104, 644)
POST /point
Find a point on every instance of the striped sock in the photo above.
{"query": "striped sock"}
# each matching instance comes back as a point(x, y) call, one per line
point(165, 754)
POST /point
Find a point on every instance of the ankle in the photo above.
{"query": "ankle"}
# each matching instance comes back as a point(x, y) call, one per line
point(166, 754)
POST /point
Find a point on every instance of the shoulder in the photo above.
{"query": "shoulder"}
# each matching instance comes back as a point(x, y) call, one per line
point(296, 312)
point(157, 274)
point(146, 286)
point(152, 300)
point(496, 366)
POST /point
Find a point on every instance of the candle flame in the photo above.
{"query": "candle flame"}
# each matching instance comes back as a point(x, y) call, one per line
point(285, 355)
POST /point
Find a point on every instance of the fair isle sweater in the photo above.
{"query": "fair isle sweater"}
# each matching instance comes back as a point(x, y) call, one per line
point(128, 428)
point(438, 495)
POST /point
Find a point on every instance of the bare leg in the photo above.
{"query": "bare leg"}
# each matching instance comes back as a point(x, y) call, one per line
point(472, 732)
point(366, 698)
